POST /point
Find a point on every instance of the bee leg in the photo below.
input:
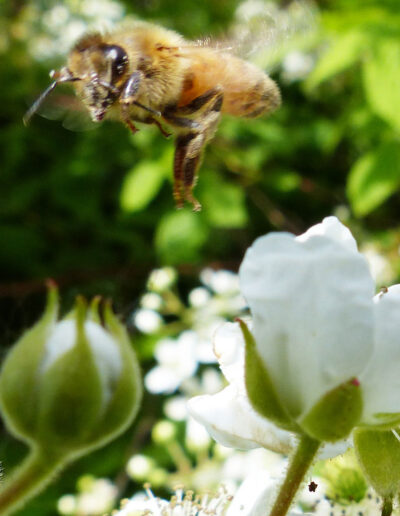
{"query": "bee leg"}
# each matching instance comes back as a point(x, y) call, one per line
point(190, 145)
point(151, 120)
point(186, 161)
point(128, 97)
point(128, 122)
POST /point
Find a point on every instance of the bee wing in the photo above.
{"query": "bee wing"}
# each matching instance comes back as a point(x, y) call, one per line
point(264, 32)
point(66, 107)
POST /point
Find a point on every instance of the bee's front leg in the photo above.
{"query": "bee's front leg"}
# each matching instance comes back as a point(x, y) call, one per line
point(190, 143)
point(128, 97)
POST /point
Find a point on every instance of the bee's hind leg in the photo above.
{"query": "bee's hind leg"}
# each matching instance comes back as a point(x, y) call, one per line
point(190, 144)
point(186, 162)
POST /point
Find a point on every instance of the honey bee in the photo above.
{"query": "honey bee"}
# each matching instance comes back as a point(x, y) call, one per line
point(145, 73)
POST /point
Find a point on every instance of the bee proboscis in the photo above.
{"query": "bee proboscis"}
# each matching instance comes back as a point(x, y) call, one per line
point(145, 73)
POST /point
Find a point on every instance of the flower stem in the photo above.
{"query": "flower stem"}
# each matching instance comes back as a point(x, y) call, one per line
point(27, 480)
point(299, 464)
point(387, 508)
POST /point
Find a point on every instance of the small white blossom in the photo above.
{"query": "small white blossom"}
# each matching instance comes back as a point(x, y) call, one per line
point(147, 321)
point(177, 361)
point(161, 279)
point(96, 496)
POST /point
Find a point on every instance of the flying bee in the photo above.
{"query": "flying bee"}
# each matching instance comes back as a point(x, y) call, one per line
point(145, 73)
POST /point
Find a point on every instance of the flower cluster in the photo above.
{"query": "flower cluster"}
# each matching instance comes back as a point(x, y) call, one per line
point(184, 330)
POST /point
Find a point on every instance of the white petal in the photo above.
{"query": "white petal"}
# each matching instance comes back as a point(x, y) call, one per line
point(177, 361)
point(162, 380)
point(331, 228)
point(256, 496)
point(229, 350)
point(232, 422)
point(312, 314)
point(380, 381)
point(330, 450)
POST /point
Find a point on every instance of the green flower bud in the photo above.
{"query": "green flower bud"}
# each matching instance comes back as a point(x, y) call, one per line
point(378, 453)
point(70, 386)
point(335, 414)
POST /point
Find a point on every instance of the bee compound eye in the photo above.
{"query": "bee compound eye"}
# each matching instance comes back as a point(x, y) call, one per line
point(119, 59)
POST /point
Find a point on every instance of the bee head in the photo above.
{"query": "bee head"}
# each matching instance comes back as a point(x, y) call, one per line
point(99, 70)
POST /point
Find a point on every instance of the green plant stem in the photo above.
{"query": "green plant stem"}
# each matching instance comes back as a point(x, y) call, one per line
point(27, 480)
point(178, 456)
point(387, 508)
point(299, 464)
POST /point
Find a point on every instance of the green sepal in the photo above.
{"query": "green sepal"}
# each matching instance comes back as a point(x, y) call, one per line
point(334, 416)
point(382, 421)
point(19, 398)
point(259, 386)
point(93, 312)
point(378, 453)
point(125, 402)
point(71, 394)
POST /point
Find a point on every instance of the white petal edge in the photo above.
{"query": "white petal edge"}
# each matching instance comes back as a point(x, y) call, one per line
point(332, 228)
point(232, 422)
point(380, 381)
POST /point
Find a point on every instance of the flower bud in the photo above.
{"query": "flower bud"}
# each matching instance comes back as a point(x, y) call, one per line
point(378, 453)
point(70, 386)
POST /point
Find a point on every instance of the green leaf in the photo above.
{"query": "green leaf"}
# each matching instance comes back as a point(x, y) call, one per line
point(345, 50)
point(381, 77)
point(180, 236)
point(141, 185)
point(223, 202)
point(374, 177)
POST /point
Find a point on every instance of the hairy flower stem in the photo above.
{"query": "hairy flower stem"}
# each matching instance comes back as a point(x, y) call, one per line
point(387, 508)
point(299, 464)
point(27, 480)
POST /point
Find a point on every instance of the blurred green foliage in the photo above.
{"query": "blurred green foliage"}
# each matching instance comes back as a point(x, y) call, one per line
point(95, 211)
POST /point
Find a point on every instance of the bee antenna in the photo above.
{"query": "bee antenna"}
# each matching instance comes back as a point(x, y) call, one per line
point(62, 76)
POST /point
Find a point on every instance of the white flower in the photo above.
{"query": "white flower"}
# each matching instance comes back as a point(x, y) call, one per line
point(96, 496)
point(177, 361)
point(147, 321)
point(253, 498)
point(228, 415)
point(316, 322)
point(310, 298)
point(221, 282)
point(161, 279)
point(316, 326)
